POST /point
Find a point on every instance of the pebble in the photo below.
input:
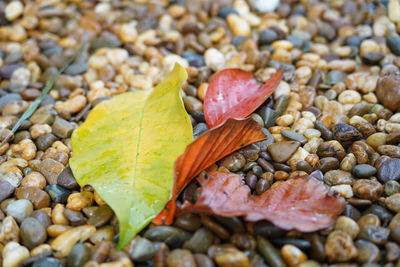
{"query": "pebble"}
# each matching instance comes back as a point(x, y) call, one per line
point(346, 134)
point(338, 177)
point(63, 243)
point(393, 42)
point(66, 179)
point(13, 10)
point(32, 233)
point(180, 257)
point(377, 139)
point(47, 262)
point(393, 202)
point(339, 247)
point(294, 136)
point(6, 189)
point(375, 234)
point(282, 151)
point(143, 250)
point(389, 150)
point(203, 260)
point(271, 255)
point(267, 37)
point(234, 162)
point(389, 170)
point(57, 193)
point(363, 171)
point(214, 59)
point(200, 241)
point(42, 217)
point(19, 209)
point(387, 91)
point(231, 257)
point(367, 189)
point(172, 236)
point(238, 25)
point(292, 255)
point(79, 255)
point(334, 77)
point(62, 128)
point(391, 187)
point(327, 164)
point(392, 251)
point(348, 226)
point(9, 230)
point(39, 198)
point(367, 252)
point(101, 216)
point(51, 168)
point(14, 254)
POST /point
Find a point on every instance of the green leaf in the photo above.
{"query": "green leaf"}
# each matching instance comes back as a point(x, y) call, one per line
point(126, 150)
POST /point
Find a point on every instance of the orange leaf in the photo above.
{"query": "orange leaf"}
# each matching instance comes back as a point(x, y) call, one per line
point(302, 203)
point(207, 149)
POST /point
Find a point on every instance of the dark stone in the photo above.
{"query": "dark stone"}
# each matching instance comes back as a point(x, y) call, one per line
point(372, 58)
point(334, 77)
point(389, 170)
point(8, 98)
point(45, 141)
point(76, 68)
point(225, 11)
point(393, 43)
point(79, 255)
point(42, 217)
point(327, 164)
point(32, 233)
point(194, 59)
point(47, 262)
point(6, 190)
point(143, 250)
point(7, 71)
point(267, 37)
point(75, 217)
point(363, 171)
point(346, 134)
point(58, 193)
point(66, 179)
point(101, 216)
point(199, 129)
point(172, 236)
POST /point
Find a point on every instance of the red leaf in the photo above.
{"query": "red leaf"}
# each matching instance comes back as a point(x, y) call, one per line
point(302, 203)
point(207, 149)
point(235, 93)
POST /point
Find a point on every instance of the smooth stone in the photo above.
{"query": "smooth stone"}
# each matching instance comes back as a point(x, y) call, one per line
point(200, 241)
point(334, 77)
point(363, 171)
point(367, 189)
point(346, 134)
point(294, 136)
point(392, 251)
point(19, 209)
point(388, 91)
point(172, 236)
point(325, 132)
point(281, 241)
point(383, 213)
point(7, 71)
point(101, 216)
point(42, 217)
point(282, 151)
point(47, 262)
point(143, 250)
point(194, 59)
point(271, 255)
point(39, 198)
point(203, 260)
point(393, 42)
point(43, 115)
point(367, 252)
point(6, 190)
point(375, 234)
point(389, 150)
point(389, 170)
point(8, 98)
point(188, 221)
point(76, 68)
point(79, 255)
point(233, 224)
point(225, 11)
point(393, 202)
point(45, 141)
point(336, 177)
point(263, 145)
point(75, 218)
point(339, 247)
point(391, 187)
point(230, 256)
point(32, 233)
point(58, 193)
point(199, 129)
point(233, 162)
point(66, 179)
point(372, 58)
point(106, 40)
point(50, 169)
point(62, 128)
point(327, 164)
point(267, 37)
point(393, 138)
point(180, 257)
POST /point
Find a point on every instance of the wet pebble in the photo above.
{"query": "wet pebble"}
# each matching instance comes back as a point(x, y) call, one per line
point(36, 196)
point(32, 233)
point(66, 179)
point(389, 170)
point(339, 247)
point(172, 236)
point(200, 241)
point(47, 262)
point(57, 193)
point(282, 151)
point(180, 257)
point(346, 134)
point(19, 209)
point(367, 252)
point(363, 171)
point(79, 255)
point(337, 177)
point(100, 216)
point(143, 250)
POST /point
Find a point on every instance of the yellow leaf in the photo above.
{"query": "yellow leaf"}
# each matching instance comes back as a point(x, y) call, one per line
point(127, 147)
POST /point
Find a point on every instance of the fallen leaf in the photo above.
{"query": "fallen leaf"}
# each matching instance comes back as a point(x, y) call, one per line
point(302, 203)
point(127, 147)
point(235, 93)
point(207, 149)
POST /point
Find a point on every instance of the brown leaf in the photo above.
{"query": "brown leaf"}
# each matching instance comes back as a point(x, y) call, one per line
point(302, 203)
point(210, 147)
